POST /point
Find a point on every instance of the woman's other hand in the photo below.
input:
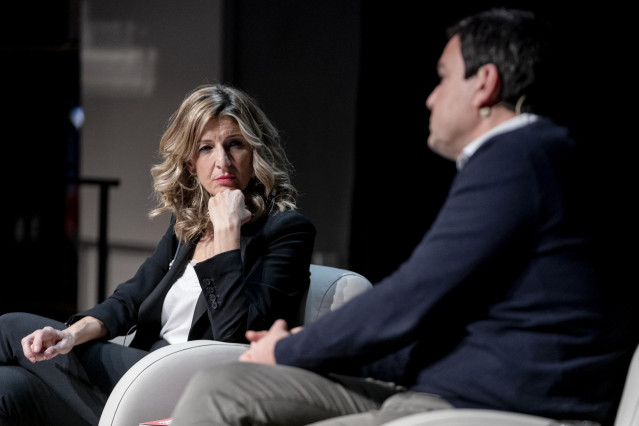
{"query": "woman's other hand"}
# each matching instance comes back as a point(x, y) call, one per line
point(46, 343)
point(228, 211)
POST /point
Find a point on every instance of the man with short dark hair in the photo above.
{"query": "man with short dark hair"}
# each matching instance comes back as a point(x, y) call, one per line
point(506, 303)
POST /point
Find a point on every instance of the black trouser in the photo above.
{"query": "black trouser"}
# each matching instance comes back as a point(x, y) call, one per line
point(69, 389)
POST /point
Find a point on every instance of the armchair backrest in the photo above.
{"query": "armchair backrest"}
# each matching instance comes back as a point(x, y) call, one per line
point(628, 411)
point(330, 288)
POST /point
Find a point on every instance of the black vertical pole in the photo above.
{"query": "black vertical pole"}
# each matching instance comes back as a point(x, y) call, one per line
point(102, 241)
point(103, 247)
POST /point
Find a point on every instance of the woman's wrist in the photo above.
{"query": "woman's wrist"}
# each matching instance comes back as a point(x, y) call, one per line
point(86, 329)
point(226, 239)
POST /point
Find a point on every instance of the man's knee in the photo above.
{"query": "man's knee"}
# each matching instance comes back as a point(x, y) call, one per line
point(225, 384)
point(215, 396)
point(223, 376)
point(414, 402)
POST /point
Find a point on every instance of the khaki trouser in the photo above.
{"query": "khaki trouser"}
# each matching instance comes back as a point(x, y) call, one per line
point(254, 394)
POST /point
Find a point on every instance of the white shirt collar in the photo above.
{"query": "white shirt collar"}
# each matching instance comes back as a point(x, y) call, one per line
point(516, 122)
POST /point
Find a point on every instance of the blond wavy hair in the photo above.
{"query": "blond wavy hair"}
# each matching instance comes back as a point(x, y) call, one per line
point(180, 193)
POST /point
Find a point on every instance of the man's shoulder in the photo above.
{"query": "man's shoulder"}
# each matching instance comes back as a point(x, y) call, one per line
point(541, 136)
point(541, 131)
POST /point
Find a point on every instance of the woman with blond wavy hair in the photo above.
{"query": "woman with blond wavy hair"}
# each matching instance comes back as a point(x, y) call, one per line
point(235, 257)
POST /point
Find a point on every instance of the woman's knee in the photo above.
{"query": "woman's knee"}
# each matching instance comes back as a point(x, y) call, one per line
point(25, 400)
point(10, 336)
point(17, 393)
point(10, 320)
point(24, 323)
point(14, 327)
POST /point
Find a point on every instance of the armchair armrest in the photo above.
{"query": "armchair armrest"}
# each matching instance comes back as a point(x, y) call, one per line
point(151, 388)
point(471, 417)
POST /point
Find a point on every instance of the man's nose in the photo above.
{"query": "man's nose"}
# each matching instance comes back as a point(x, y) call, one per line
point(430, 99)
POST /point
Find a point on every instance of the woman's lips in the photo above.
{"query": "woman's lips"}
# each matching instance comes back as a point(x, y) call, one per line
point(225, 179)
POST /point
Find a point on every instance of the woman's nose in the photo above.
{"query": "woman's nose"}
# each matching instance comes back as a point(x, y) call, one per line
point(222, 158)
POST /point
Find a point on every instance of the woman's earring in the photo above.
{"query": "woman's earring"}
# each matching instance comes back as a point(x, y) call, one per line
point(193, 172)
point(484, 111)
point(520, 102)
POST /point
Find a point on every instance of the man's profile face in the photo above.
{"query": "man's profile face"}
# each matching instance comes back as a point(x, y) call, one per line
point(452, 115)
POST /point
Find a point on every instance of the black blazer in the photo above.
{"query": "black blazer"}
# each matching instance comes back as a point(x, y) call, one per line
point(503, 304)
point(242, 289)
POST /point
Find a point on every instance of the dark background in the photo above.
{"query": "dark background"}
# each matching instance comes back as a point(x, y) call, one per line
point(39, 80)
point(398, 184)
point(397, 73)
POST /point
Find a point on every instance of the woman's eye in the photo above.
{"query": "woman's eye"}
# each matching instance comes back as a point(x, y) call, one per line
point(235, 143)
point(204, 148)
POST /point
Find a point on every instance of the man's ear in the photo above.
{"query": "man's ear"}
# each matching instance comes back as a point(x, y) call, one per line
point(488, 86)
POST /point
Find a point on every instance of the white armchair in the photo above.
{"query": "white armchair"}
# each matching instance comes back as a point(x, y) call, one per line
point(151, 388)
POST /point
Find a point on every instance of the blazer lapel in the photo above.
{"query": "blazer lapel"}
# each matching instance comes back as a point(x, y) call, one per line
point(155, 300)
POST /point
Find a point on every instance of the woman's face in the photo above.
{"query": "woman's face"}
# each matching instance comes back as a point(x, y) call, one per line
point(224, 159)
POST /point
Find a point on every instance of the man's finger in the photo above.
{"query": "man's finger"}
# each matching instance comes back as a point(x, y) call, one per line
point(279, 324)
